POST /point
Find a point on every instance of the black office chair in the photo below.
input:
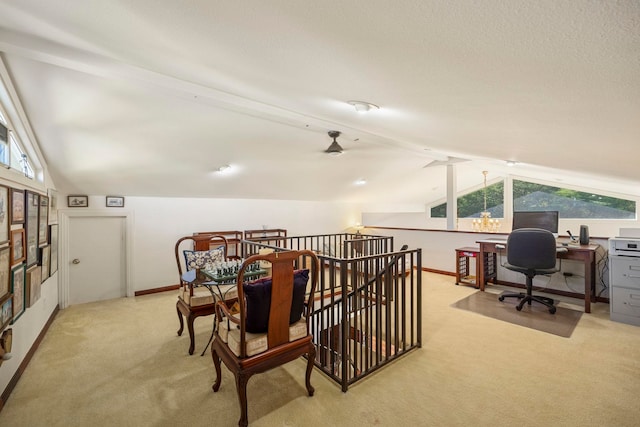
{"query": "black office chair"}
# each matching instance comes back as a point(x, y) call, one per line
point(532, 252)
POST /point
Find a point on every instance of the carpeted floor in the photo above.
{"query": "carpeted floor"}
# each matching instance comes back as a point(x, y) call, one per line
point(120, 363)
point(534, 316)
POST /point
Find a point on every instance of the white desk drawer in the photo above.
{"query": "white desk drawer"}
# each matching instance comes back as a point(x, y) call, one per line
point(625, 272)
point(625, 301)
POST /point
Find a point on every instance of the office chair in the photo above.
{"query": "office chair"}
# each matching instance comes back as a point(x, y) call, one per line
point(532, 252)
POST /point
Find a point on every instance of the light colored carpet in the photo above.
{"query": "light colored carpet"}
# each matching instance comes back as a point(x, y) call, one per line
point(120, 363)
point(535, 316)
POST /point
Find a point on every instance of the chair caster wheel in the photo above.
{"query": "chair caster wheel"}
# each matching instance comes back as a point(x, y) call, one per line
point(552, 310)
point(519, 308)
point(500, 298)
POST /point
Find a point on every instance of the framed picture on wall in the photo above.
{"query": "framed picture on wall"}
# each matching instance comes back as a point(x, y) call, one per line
point(34, 282)
point(17, 246)
point(17, 206)
point(6, 310)
point(45, 258)
point(19, 291)
point(4, 214)
point(53, 205)
point(115, 202)
point(32, 205)
point(53, 258)
point(78, 201)
point(43, 219)
point(5, 264)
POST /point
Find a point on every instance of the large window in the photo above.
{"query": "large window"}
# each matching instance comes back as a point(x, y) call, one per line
point(470, 205)
point(528, 196)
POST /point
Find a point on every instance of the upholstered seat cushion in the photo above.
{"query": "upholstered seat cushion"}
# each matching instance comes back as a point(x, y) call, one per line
point(202, 295)
point(229, 333)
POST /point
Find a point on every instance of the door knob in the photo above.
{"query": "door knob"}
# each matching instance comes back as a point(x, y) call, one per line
point(76, 261)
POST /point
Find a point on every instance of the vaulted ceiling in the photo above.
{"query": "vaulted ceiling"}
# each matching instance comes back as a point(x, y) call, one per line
point(150, 97)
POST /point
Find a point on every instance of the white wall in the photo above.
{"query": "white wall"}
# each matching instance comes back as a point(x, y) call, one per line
point(29, 325)
point(159, 222)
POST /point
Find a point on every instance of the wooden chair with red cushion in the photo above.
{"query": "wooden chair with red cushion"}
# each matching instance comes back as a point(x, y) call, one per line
point(272, 326)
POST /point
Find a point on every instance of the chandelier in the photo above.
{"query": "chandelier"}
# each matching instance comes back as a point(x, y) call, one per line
point(485, 223)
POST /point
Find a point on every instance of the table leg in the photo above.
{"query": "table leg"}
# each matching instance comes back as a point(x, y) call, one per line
point(589, 281)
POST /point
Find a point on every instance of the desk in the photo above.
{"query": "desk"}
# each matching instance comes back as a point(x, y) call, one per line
point(585, 253)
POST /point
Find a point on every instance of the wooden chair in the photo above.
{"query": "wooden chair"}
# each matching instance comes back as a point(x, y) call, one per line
point(195, 300)
point(266, 332)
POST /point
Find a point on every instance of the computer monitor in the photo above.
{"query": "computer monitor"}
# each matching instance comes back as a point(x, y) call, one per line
point(547, 220)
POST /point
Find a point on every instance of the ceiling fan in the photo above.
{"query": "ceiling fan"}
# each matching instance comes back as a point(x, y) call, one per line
point(334, 149)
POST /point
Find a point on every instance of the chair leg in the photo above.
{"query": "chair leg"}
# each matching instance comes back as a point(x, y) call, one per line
point(216, 363)
point(241, 385)
point(311, 357)
point(180, 319)
point(192, 338)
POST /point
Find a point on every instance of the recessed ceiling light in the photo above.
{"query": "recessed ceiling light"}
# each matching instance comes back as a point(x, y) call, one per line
point(223, 168)
point(360, 181)
point(362, 106)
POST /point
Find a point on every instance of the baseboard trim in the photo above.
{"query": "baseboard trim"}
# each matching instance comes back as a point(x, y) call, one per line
point(16, 377)
point(156, 290)
point(433, 270)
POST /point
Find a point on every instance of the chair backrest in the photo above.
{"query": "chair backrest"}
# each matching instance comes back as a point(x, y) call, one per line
point(195, 243)
point(283, 266)
point(531, 248)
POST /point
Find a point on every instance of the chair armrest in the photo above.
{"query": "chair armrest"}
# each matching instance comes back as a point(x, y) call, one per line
point(222, 309)
point(561, 250)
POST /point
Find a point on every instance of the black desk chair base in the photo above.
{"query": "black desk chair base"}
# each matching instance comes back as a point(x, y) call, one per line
point(528, 298)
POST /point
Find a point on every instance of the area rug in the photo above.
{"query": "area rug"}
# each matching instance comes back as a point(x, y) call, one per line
point(534, 316)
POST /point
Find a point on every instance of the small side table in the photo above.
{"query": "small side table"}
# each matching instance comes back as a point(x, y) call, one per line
point(463, 271)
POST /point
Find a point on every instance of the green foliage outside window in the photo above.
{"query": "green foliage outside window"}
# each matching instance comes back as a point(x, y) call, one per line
point(528, 196)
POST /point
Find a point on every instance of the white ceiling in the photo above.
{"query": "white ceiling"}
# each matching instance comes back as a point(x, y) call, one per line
point(149, 97)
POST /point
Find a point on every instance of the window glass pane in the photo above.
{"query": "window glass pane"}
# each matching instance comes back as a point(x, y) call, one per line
point(528, 196)
point(18, 160)
point(470, 205)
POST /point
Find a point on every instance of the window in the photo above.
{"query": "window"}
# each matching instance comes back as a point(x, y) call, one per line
point(470, 205)
point(528, 196)
point(19, 159)
point(18, 154)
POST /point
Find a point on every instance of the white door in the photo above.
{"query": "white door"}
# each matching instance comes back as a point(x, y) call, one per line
point(96, 259)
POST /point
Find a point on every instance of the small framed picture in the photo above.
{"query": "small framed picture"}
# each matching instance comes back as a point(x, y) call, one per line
point(17, 206)
point(5, 264)
point(78, 201)
point(17, 246)
point(4, 214)
point(53, 206)
point(115, 202)
point(45, 257)
point(6, 310)
point(18, 290)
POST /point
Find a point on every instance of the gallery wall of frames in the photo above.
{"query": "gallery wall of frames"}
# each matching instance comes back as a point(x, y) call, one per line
point(28, 249)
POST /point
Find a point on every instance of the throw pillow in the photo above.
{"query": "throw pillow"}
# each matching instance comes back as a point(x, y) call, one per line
point(258, 299)
point(199, 259)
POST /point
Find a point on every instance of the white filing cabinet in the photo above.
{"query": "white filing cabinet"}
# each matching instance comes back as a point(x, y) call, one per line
point(624, 288)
